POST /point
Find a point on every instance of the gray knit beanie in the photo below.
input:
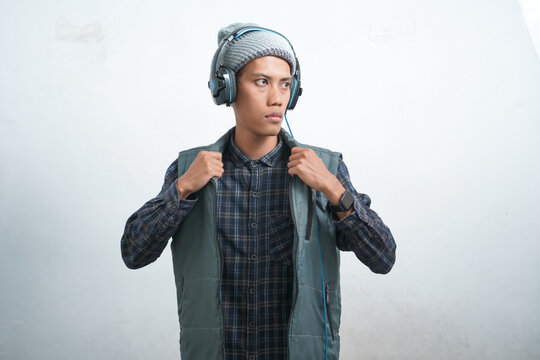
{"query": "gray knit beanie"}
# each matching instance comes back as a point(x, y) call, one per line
point(251, 45)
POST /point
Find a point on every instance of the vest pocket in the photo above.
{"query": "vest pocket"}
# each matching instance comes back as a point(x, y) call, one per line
point(180, 300)
point(333, 310)
point(328, 310)
point(280, 239)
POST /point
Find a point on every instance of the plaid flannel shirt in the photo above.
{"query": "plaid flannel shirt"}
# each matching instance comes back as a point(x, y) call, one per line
point(255, 230)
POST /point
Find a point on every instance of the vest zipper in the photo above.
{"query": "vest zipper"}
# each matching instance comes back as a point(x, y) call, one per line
point(214, 181)
point(311, 197)
point(327, 288)
point(295, 277)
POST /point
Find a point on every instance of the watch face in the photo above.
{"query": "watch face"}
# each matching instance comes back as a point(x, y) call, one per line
point(347, 200)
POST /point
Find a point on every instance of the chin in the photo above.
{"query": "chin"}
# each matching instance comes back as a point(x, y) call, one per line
point(268, 130)
point(269, 133)
point(263, 129)
point(275, 130)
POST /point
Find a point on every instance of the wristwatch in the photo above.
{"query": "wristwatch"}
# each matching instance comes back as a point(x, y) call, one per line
point(345, 203)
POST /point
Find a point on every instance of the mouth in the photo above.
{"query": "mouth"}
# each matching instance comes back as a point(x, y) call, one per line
point(274, 117)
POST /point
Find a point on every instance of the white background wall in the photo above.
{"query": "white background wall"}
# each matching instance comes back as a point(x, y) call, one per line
point(434, 104)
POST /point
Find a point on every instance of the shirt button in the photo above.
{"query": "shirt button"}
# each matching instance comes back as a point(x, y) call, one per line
point(253, 257)
point(254, 225)
point(251, 357)
point(255, 194)
point(254, 164)
point(252, 324)
point(252, 291)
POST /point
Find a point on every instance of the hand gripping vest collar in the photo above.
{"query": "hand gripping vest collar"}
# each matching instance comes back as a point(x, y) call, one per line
point(197, 261)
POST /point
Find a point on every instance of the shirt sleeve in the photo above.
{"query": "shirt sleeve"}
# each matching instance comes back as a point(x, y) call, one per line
point(148, 230)
point(363, 231)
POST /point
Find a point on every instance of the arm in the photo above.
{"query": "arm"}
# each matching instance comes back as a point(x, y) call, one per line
point(360, 229)
point(149, 229)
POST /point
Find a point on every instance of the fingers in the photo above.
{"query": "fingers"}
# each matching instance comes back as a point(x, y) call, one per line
point(206, 165)
point(300, 153)
point(217, 170)
point(212, 154)
point(298, 150)
point(294, 171)
point(293, 163)
point(304, 162)
point(298, 168)
point(212, 163)
point(300, 156)
point(209, 156)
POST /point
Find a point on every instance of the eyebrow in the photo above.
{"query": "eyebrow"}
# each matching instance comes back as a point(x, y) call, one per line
point(268, 77)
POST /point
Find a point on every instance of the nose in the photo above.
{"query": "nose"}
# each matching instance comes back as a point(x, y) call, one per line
point(276, 95)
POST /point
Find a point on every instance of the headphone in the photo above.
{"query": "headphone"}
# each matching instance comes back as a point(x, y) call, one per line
point(222, 83)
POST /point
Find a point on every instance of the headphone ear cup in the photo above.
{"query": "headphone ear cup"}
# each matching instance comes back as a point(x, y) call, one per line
point(223, 87)
point(216, 85)
point(231, 88)
point(296, 91)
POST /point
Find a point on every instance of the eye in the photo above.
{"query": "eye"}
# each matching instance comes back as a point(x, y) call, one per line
point(259, 81)
point(286, 84)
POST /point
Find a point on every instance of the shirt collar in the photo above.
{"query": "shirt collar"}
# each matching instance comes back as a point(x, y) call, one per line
point(239, 158)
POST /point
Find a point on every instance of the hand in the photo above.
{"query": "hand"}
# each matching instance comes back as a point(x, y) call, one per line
point(206, 165)
point(304, 163)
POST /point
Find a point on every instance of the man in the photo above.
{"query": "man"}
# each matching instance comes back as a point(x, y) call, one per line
point(258, 219)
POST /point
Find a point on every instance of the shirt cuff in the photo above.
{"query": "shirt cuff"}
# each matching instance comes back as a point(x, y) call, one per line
point(173, 201)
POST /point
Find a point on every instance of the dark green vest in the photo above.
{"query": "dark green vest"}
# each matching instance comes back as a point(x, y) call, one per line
point(197, 261)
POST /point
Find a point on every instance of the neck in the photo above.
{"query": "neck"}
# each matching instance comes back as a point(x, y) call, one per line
point(254, 146)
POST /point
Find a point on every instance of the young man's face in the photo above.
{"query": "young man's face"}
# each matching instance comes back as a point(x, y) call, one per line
point(262, 96)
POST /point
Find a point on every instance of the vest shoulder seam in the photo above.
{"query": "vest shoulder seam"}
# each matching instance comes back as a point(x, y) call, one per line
point(321, 149)
point(197, 149)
